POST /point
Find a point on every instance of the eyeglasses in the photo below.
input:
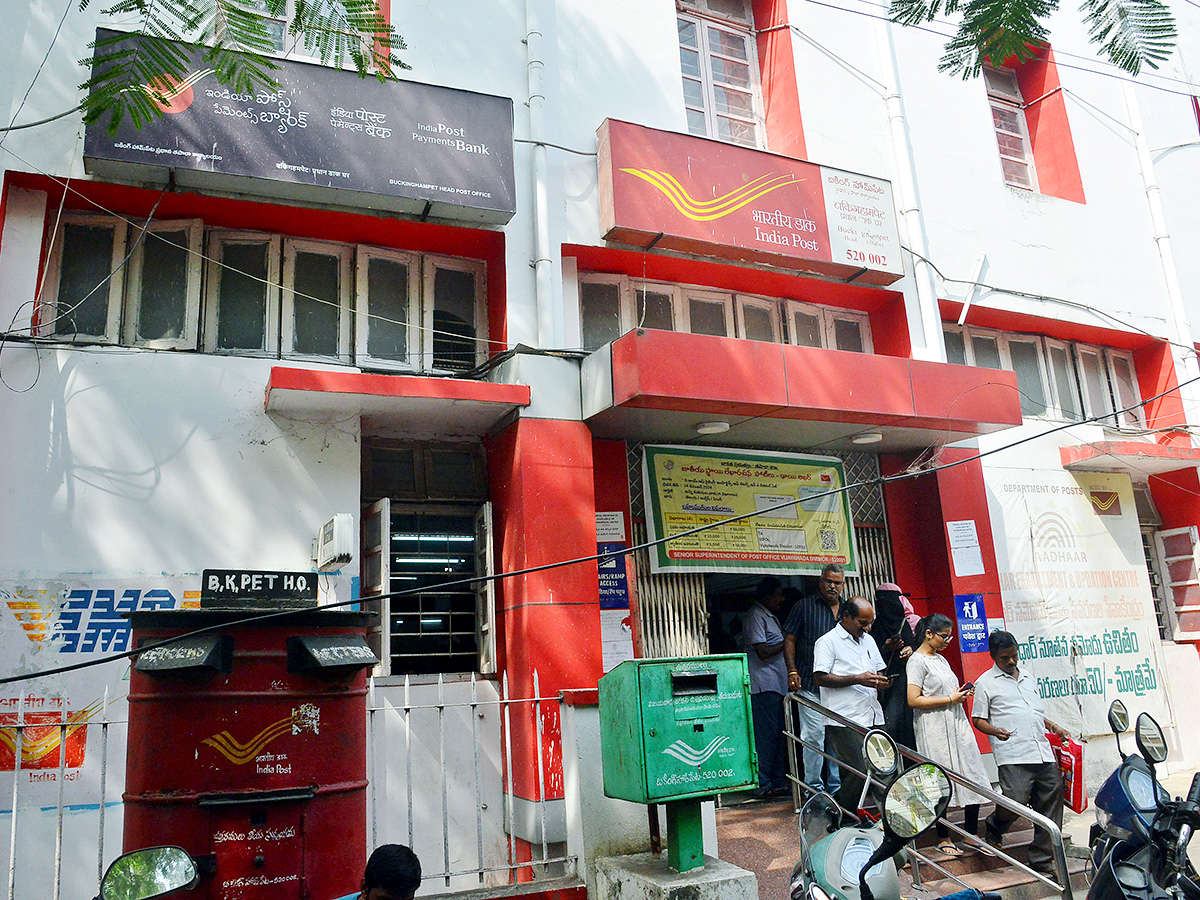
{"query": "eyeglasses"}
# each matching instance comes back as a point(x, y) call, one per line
point(946, 638)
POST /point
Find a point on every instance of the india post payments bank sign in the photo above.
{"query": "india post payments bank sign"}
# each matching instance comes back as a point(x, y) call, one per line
point(325, 136)
point(678, 192)
point(804, 522)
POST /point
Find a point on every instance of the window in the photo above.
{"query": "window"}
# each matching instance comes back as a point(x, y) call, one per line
point(720, 72)
point(611, 305)
point(254, 293)
point(1012, 130)
point(1056, 379)
point(428, 527)
point(104, 271)
point(292, 46)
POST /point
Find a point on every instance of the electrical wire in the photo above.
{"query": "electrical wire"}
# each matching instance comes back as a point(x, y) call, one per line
point(41, 66)
point(45, 121)
point(485, 343)
point(910, 472)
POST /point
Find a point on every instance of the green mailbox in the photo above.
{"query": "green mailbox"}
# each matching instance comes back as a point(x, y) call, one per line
point(676, 730)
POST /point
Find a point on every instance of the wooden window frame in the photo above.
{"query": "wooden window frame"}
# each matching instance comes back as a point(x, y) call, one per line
point(217, 238)
point(363, 316)
point(703, 21)
point(430, 262)
point(51, 311)
point(133, 304)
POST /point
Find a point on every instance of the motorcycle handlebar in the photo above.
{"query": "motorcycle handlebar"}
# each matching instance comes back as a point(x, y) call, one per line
point(1193, 795)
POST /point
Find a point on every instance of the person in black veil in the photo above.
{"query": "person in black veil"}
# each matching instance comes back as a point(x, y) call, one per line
point(894, 635)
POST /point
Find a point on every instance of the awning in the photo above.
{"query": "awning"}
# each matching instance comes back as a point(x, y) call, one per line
point(1137, 457)
point(660, 385)
point(452, 406)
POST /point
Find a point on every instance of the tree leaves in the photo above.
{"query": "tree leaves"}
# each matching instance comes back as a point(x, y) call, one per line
point(1131, 33)
point(136, 76)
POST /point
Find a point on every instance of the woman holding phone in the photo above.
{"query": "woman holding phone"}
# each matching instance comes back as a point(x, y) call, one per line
point(940, 721)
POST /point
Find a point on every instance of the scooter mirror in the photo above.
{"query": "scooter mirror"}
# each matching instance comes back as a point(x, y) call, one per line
point(880, 752)
point(149, 873)
point(1118, 717)
point(916, 800)
point(1150, 739)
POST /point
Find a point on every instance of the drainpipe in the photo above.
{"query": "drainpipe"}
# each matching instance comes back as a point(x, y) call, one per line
point(543, 287)
point(925, 321)
point(1181, 332)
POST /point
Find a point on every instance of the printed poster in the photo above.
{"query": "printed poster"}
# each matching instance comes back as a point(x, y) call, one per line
point(1076, 593)
point(797, 517)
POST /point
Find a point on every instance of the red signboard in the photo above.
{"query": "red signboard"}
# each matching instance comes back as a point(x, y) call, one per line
point(678, 192)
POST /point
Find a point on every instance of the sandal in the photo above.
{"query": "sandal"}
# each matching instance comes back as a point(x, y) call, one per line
point(983, 848)
point(949, 848)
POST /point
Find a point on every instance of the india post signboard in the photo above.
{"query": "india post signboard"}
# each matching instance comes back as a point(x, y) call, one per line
point(679, 192)
point(804, 520)
point(325, 136)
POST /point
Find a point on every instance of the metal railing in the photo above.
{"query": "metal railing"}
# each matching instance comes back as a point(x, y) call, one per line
point(794, 741)
point(440, 764)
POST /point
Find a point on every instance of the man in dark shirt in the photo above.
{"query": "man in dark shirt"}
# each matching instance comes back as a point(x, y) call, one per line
point(811, 618)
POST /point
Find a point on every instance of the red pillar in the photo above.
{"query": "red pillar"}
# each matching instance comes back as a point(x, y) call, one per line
point(540, 472)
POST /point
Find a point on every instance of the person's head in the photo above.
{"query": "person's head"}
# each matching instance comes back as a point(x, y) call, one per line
point(857, 616)
point(936, 631)
point(769, 593)
point(393, 873)
point(1005, 654)
point(830, 583)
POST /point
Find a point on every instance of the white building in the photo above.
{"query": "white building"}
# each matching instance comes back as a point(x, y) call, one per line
point(773, 218)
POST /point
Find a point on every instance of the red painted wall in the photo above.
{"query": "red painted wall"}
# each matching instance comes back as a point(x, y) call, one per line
point(780, 86)
point(540, 475)
point(1049, 129)
point(1155, 367)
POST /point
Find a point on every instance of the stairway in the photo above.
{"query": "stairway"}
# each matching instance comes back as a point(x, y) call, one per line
point(990, 873)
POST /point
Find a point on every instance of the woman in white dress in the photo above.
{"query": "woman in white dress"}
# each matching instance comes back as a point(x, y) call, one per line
point(944, 732)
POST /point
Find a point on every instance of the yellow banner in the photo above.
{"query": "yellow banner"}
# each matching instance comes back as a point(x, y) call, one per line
point(796, 515)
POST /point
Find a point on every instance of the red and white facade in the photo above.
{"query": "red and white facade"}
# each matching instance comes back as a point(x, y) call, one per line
point(842, 258)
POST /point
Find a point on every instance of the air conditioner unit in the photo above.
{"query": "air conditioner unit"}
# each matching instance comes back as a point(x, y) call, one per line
point(335, 542)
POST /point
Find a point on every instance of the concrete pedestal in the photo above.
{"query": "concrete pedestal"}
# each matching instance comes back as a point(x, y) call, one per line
point(647, 877)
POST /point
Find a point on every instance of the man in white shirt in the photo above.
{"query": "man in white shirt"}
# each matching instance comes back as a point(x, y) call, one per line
point(1009, 711)
point(768, 685)
point(848, 669)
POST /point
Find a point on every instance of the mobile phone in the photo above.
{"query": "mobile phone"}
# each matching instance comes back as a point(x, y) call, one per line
point(893, 677)
point(966, 687)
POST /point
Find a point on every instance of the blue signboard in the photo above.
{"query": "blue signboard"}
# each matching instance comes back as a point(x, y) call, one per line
point(972, 622)
point(614, 583)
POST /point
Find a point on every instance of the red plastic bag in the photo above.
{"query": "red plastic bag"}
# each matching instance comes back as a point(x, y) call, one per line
point(1070, 762)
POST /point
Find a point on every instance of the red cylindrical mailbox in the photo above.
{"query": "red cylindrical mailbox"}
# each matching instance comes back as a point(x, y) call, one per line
point(247, 747)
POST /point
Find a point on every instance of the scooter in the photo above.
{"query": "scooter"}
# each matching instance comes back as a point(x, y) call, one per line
point(146, 874)
point(1151, 863)
point(1131, 795)
point(861, 862)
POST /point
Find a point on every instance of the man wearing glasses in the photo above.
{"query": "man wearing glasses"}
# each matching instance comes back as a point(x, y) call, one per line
point(811, 618)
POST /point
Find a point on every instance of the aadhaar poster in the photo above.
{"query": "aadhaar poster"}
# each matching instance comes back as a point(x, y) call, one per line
point(797, 514)
point(1076, 592)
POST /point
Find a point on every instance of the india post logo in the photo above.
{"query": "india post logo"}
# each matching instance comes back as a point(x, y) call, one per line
point(690, 756)
point(172, 96)
point(708, 210)
point(1105, 503)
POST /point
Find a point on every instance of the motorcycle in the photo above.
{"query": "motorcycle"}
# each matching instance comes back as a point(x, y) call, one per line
point(1131, 795)
point(1151, 862)
point(860, 862)
point(146, 874)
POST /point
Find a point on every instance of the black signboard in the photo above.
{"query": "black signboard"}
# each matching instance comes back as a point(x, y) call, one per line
point(326, 136)
point(244, 584)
